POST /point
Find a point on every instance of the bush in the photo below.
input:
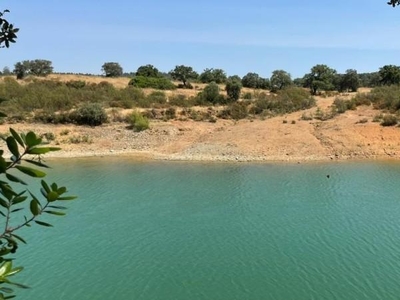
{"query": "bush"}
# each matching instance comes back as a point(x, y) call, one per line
point(342, 105)
point(76, 84)
point(89, 114)
point(159, 83)
point(210, 94)
point(384, 97)
point(157, 97)
point(233, 89)
point(181, 101)
point(389, 120)
point(138, 121)
point(236, 111)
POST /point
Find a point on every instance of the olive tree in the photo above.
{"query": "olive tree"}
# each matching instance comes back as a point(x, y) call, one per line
point(210, 75)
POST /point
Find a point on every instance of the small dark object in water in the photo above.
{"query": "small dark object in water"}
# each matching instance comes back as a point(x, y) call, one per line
point(328, 176)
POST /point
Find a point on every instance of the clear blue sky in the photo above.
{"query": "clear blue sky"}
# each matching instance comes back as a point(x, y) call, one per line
point(237, 36)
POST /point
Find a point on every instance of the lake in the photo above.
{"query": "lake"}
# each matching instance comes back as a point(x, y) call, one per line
point(172, 230)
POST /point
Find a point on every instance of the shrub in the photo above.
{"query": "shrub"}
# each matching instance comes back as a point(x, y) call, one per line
point(247, 96)
point(76, 84)
point(233, 89)
point(236, 111)
point(90, 114)
point(170, 113)
point(138, 121)
point(210, 94)
point(156, 97)
point(342, 105)
point(389, 120)
point(181, 101)
point(159, 83)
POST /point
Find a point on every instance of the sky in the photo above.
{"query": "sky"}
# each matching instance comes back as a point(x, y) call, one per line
point(237, 36)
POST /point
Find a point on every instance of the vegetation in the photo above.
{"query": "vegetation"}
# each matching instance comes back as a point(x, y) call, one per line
point(37, 67)
point(253, 80)
point(389, 75)
point(233, 88)
point(279, 80)
point(8, 33)
point(320, 78)
point(213, 75)
point(92, 114)
point(184, 74)
point(148, 71)
point(158, 83)
point(138, 121)
point(112, 69)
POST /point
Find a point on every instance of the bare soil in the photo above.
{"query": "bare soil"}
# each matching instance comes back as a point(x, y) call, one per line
point(283, 138)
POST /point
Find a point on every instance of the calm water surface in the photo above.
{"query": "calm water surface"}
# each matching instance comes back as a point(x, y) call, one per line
point(219, 231)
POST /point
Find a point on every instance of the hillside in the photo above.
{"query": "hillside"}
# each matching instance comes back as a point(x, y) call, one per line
point(282, 138)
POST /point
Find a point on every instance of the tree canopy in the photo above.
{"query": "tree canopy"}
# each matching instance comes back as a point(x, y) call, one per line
point(184, 74)
point(148, 71)
point(112, 69)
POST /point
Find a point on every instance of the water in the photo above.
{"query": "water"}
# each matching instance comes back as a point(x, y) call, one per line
point(219, 231)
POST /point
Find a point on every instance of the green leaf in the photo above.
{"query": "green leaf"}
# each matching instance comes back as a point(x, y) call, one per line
point(17, 137)
point(6, 290)
point(4, 203)
point(56, 213)
point(54, 186)
point(17, 209)
point(3, 165)
point(19, 238)
point(52, 196)
point(15, 179)
point(43, 223)
point(36, 163)
point(31, 172)
point(19, 199)
point(5, 268)
point(56, 207)
point(12, 146)
point(1, 213)
point(32, 140)
point(62, 190)
point(34, 206)
point(38, 151)
point(45, 186)
point(67, 198)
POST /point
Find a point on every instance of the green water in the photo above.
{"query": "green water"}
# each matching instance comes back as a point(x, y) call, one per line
point(219, 231)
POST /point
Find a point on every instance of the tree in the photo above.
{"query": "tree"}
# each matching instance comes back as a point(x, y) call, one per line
point(8, 33)
point(389, 75)
point(6, 71)
point(184, 74)
point(112, 69)
point(210, 75)
point(233, 88)
point(348, 81)
point(21, 69)
point(12, 201)
point(37, 67)
point(321, 78)
point(40, 67)
point(254, 81)
point(148, 71)
point(280, 79)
